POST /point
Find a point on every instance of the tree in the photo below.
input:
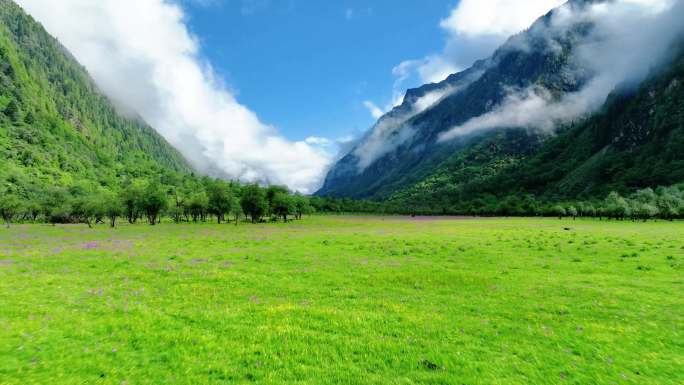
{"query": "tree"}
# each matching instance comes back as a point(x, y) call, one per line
point(112, 207)
point(132, 199)
point(253, 202)
point(33, 209)
point(60, 214)
point(83, 210)
point(86, 203)
point(10, 206)
point(616, 206)
point(282, 205)
point(572, 211)
point(154, 201)
point(236, 210)
point(55, 205)
point(643, 211)
point(29, 119)
point(178, 204)
point(559, 211)
point(12, 111)
point(198, 205)
point(302, 206)
point(220, 199)
point(589, 211)
point(646, 195)
point(669, 202)
point(271, 192)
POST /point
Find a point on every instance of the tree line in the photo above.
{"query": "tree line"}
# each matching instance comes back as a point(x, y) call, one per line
point(190, 199)
point(660, 203)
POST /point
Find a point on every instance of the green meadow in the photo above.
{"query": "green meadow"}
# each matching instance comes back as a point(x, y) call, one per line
point(344, 300)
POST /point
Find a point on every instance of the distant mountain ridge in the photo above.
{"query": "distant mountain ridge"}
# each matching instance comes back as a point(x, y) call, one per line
point(418, 162)
point(635, 141)
point(55, 125)
point(416, 150)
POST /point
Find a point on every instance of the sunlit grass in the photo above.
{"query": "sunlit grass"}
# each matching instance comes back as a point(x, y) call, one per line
point(344, 300)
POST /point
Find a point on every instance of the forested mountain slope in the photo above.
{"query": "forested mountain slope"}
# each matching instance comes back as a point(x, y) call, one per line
point(55, 126)
point(505, 144)
point(635, 141)
point(396, 155)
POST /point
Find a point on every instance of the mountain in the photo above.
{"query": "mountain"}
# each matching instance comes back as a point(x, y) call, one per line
point(407, 160)
point(635, 141)
point(403, 147)
point(55, 125)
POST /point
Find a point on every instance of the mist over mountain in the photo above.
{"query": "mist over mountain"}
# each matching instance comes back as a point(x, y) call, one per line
point(559, 71)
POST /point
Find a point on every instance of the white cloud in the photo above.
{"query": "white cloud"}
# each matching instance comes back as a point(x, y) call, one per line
point(393, 130)
point(377, 112)
point(530, 108)
point(142, 56)
point(475, 18)
point(318, 141)
point(629, 38)
point(431, 69)
point(374, 110)
point(475, 28)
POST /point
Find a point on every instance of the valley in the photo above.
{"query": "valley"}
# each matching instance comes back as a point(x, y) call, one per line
point(344, 299)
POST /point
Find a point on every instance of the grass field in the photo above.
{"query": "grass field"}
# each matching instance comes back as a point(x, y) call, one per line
point(344, 300)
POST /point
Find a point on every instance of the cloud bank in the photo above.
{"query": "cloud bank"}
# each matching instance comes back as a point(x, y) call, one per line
point(395, 128)
point(475, 28)
point(142, 56)
point(628, 39)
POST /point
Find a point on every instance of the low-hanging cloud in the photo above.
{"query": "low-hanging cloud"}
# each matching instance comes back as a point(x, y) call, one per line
point(142, 56)
point(475, 28)
point(629, 38)
point(395, 129)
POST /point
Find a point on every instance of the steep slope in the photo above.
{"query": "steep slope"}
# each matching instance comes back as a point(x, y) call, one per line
point(394, 156)
point(635, 141)
point(55, 126)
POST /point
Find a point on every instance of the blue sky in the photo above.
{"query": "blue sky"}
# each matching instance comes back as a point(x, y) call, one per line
point(306, 67)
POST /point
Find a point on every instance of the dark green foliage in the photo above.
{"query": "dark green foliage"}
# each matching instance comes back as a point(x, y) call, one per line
point(12, 111)
point(112, 207)
point(302, 206)
point(198, 206)
point(220, 199)
point(662, 203)
point(10, 206)
point(282, 205)
point(56, 127)
point(253, 202)
point(154, 202)
point(271, 193)
point(132, 200)
point(236, 210)
point(632, 143)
